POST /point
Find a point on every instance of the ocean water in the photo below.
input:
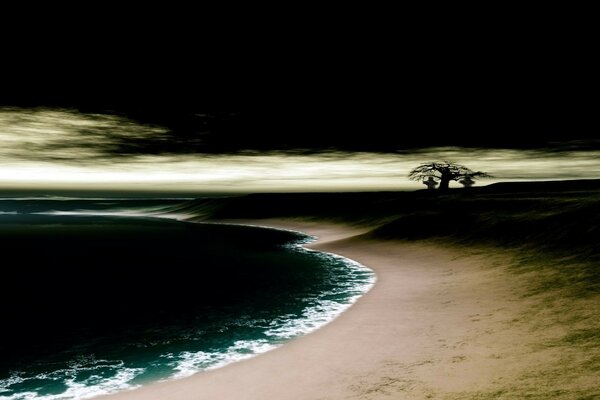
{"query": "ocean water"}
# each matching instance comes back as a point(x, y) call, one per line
point(103, 295)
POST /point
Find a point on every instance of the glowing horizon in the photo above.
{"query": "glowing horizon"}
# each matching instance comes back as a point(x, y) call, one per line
point(63, 149)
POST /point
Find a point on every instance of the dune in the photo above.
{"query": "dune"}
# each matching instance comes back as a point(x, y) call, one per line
point(441, 322)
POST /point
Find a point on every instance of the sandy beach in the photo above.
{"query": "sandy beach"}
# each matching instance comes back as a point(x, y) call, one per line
point(439, 323)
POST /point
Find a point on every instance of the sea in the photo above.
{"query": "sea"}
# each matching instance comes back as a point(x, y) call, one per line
point(101, 295)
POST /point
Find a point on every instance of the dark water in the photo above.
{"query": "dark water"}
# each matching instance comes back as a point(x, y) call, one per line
point(94, 304)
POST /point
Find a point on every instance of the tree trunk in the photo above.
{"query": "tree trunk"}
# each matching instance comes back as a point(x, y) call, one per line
point(444, 183)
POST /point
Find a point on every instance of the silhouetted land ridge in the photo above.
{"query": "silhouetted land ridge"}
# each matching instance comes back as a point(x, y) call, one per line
point(556, 221)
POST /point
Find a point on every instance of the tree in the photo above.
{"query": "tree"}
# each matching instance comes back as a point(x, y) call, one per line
point(445, 171)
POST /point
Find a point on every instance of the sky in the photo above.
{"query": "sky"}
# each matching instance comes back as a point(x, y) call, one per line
point(334, 102)
point(51, 148)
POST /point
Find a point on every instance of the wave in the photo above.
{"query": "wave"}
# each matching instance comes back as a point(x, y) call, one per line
point(174, 208)
point(329, 305)
point(86, 378)
point(83, 379)
point(189, 363)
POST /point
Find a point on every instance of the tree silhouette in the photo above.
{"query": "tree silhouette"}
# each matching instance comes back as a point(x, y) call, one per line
point(445, 171)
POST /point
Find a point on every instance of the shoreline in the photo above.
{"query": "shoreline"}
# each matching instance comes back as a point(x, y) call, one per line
point(439, 323)
point(283, 225)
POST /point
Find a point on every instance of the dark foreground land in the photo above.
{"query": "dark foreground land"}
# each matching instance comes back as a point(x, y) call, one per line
point(557, 221)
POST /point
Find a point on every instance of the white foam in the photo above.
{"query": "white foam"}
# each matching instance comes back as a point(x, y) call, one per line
point(325, 311)
point(94, 385)
point(189, 363)
point(285, 327)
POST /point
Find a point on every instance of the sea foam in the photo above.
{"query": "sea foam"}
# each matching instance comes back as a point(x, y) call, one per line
point(95, 383)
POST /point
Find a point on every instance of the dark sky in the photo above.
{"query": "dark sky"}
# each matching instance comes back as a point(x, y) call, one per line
point(384, 86)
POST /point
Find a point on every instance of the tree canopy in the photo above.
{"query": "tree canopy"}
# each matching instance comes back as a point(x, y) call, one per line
point(445, 171)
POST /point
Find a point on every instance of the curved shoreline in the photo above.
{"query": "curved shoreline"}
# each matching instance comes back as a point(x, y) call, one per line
point(434, 324)
point(311, 241)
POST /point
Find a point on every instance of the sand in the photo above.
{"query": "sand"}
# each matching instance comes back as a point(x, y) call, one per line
point(440, 323)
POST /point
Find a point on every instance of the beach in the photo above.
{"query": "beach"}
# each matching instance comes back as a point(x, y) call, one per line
point(440, 322)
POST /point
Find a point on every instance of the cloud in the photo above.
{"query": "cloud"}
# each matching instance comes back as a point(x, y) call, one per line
point(64, 146)
point(70, 137)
